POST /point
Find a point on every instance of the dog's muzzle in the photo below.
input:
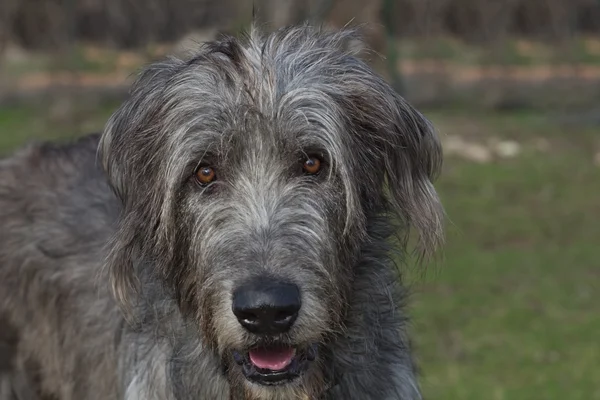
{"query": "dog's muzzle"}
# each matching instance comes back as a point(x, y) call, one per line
point(267, 308)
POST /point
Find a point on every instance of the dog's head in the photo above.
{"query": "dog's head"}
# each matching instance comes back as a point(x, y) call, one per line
point(248, 175)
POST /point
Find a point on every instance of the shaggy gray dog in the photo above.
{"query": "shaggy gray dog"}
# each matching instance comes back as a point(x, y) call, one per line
point(233, 242)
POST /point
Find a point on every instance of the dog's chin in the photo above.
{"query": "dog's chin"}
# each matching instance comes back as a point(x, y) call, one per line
point(275, 364)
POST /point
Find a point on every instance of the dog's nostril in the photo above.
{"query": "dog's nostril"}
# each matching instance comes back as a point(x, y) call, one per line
point(250, 318)
point(266, 306)
point(283, 316)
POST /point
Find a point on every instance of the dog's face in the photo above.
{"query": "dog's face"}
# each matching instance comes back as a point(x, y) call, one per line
point(248, 176)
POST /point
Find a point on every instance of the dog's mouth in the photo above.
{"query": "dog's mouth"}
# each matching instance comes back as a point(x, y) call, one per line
point(276, 364)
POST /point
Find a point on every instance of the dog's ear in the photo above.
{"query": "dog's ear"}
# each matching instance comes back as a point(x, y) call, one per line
point(413, 158)
point(127, 150)
point(131, 124)
point(405, 149)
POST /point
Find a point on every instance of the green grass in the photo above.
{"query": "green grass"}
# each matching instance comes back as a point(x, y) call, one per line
point(513, 310)
point(508, 52)
point(20, 125)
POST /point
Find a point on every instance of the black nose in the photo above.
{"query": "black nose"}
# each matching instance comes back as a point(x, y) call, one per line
point(267, 307)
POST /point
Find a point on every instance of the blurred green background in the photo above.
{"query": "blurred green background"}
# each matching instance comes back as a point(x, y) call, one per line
point(512, 311)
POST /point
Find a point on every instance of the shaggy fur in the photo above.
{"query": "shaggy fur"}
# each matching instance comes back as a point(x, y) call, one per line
point(117, 272)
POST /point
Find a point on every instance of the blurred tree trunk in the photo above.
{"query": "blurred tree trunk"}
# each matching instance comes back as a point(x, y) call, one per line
point(133, 23)
point(429, 16)
point(379, 35)
point(354, 12)
point(7, 10)
point(279, 13)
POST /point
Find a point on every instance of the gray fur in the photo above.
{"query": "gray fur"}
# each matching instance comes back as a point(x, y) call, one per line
point(126, 293)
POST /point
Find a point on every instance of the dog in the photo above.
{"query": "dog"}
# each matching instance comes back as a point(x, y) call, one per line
point(233, 233)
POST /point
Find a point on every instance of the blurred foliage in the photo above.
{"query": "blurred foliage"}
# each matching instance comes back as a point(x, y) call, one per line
point(495, 36)
point(127, 23)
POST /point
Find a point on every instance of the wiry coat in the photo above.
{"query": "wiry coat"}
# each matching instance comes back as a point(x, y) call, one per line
point(75, 226)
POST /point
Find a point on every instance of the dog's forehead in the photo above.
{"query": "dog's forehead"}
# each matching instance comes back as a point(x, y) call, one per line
point(260, 96)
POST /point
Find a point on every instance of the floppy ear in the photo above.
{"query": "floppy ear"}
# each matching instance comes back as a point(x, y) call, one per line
point(127, 148)
point(407, 150)
point(413, 159)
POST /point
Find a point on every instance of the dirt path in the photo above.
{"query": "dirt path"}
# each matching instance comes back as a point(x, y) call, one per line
point(468, 74)
point(454, 72)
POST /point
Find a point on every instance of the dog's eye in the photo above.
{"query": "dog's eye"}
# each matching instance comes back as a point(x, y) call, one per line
point(312, 165)
point(205, 175)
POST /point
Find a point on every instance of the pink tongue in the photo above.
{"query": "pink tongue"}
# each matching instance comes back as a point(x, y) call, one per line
point(272, 358)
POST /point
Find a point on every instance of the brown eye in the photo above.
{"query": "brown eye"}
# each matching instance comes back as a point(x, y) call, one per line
point(312, 166)
point(205, 175)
